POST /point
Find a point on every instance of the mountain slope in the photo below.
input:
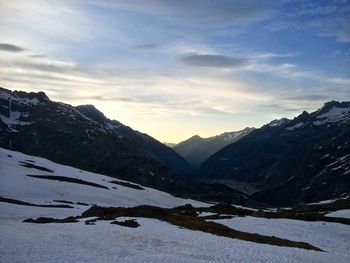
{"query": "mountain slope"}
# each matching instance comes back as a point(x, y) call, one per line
point(33, 124)
point(196, 149)
point(146, 143)
point(301, 160)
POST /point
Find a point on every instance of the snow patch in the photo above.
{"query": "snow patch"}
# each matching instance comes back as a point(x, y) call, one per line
point(276, 123)
point(13, 120)
point(345, 213)
point(112, 126)
point(296, 126)
point(335, 114)
point(18, 100)
point(16, 185)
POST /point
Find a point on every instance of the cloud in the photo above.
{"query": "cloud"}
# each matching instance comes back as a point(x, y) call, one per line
point(10, 47)
point(325, 20)
point(340, 81)
point(108, 98)
point(38, 56)
point(337, 27)
point(62, 20)
point(281, 108)
point(197, 11)
point(148, 46)
point(215, 61)
point(284, 70)
point(46, 66)
point(306, 97)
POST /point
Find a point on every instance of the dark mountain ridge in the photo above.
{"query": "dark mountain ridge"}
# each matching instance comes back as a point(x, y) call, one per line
point(306, 159)
point(149, 145)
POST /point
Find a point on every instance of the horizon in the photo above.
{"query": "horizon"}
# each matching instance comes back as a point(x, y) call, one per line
point(203, 137)
point(178, 69)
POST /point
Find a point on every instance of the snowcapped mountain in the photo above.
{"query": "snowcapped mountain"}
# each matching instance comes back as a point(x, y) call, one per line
point(83, 137)
point(196, 149)
point(301, 160)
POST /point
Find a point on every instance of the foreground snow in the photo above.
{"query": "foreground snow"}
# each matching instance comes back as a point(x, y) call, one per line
point(153, 241)
point(333, 238)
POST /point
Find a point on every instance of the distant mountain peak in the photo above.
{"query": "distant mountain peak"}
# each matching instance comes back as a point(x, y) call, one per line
point(332, 104)
point(196, 149)
point(278, 122)
point(195, 137)
point(88, 107)
point(26, 97)
point(91, 112)
point(304, 113)
point(333, 111)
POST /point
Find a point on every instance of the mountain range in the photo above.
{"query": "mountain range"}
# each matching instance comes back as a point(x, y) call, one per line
point(196, 149)
point(285, 162)
point(83, 137)
point(289, 161)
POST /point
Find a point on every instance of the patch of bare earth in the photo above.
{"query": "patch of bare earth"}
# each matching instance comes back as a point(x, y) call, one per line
point(67, 179)
point(19, 202)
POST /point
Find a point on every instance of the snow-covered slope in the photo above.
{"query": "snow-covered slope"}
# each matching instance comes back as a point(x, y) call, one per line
point(153, 241)
point(332, 237)
point(16, 184)
point(345, 213)
point(334, 113)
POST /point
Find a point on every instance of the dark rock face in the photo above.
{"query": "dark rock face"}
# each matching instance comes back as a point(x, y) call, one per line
point(301, 160)
point(128, 223)
point(196, 149)
point(83, 137)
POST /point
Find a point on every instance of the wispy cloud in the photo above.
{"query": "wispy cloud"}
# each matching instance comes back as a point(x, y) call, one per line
point(342, 81)
point(10, 47)
point(46, 20)
point(38, 56)
point(329, 20)
point(148, 46)
point(197, 11)
point(306, 97)
point(219, 61)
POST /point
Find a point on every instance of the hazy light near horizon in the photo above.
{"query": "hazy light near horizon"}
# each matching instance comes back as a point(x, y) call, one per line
point(173, 69)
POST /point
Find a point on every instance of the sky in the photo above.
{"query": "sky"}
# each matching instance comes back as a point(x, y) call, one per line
point(174, 69)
